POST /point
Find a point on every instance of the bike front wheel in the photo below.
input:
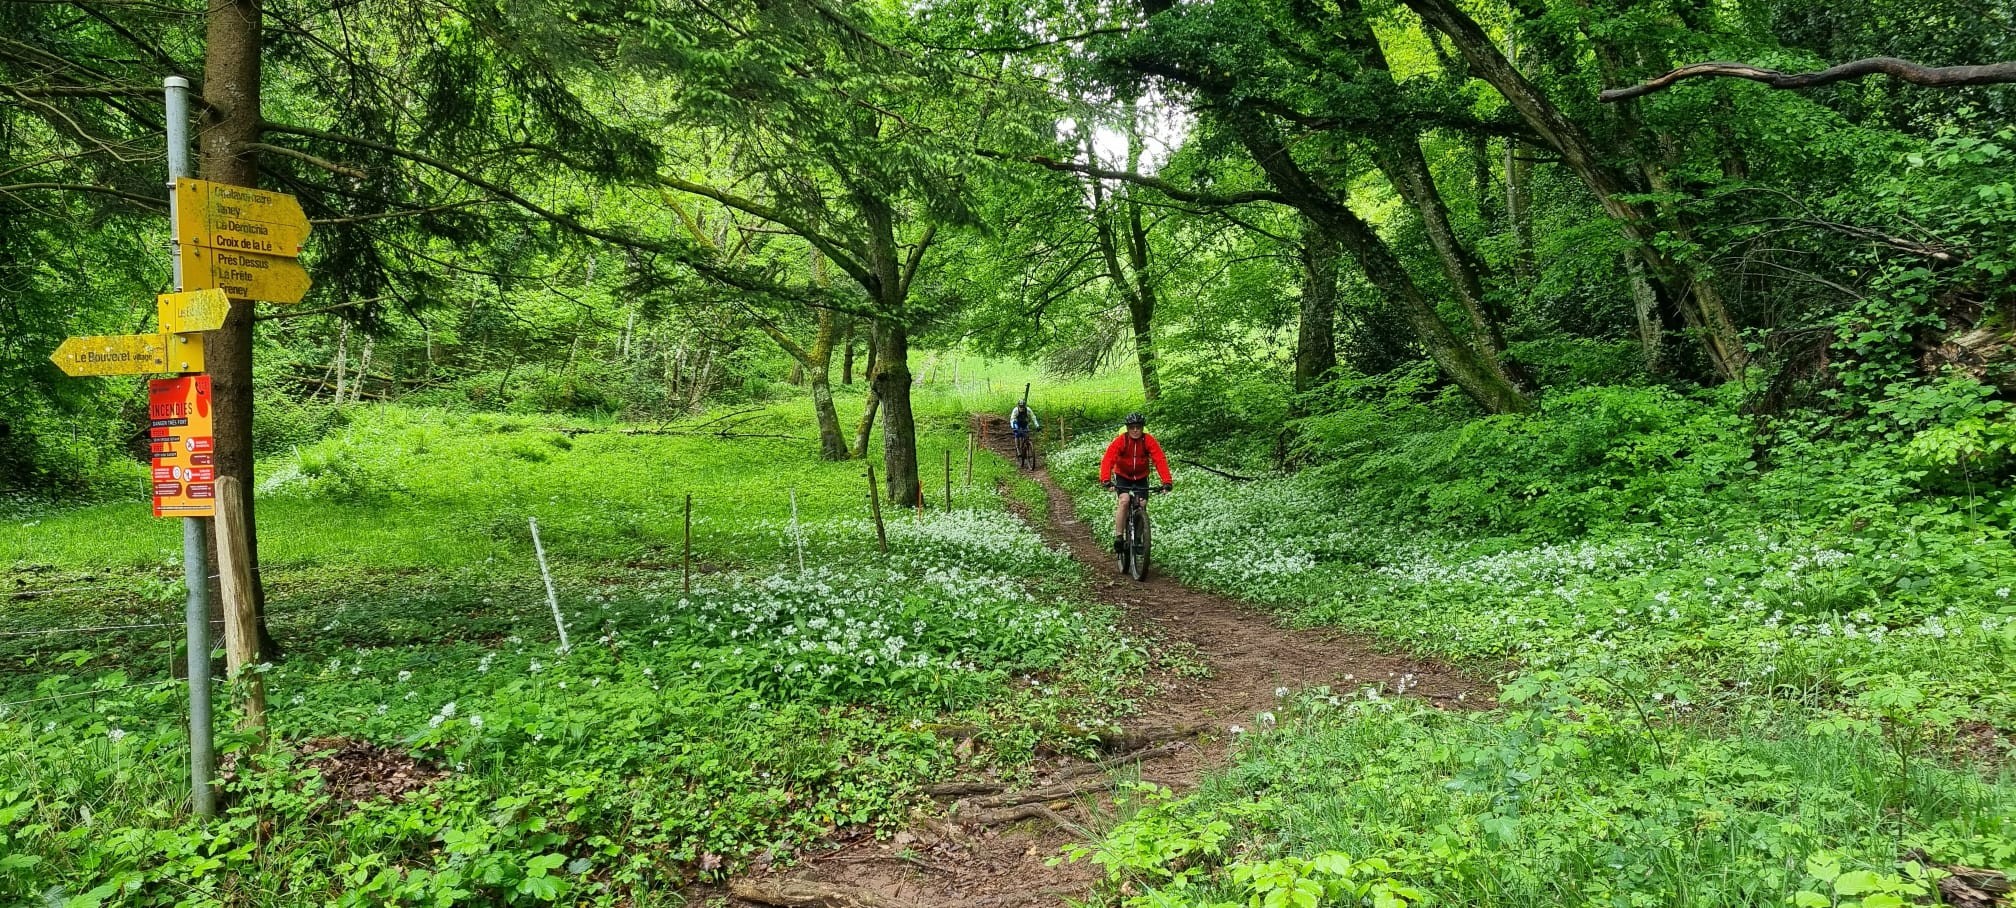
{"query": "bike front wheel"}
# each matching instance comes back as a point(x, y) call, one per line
point(1136, 558)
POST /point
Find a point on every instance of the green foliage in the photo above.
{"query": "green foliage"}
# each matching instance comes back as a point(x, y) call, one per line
point(1589, 456)
point(1374, 800)
point(681, 735)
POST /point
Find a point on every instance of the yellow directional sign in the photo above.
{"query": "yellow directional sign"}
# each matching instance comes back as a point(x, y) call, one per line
point(195, 310)
point(130, 354)
point(244, 275)
point(224, 217)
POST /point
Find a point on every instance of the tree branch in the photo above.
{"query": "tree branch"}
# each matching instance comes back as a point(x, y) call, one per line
point(1156, 183)
point(1930, 76)
point(330, 166)
point(837, 249)
point(1035, 45)
point(161, 203)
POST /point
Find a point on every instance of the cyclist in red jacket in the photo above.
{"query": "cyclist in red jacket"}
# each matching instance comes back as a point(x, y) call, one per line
point(1125, 468)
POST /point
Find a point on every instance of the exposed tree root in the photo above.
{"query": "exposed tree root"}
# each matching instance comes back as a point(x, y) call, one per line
point(1052, 793)
point(1106, 766)
point(1031, 812)
point(961, 789)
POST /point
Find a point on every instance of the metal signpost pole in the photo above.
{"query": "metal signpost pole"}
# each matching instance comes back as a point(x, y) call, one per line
point(196, 609)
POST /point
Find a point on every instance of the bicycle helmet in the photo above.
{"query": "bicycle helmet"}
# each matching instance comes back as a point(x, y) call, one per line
point(1136, 419)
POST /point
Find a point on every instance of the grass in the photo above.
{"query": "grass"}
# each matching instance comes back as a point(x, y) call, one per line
point(1718, 713)
point(680, 735)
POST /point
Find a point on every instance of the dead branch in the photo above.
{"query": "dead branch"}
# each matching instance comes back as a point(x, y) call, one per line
point(1929, 76)
point(1232, 476)
point(1052, 793)
point(806, 894)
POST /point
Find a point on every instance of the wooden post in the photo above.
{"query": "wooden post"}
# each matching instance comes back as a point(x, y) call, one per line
point(875, 505)
point(686, 561)
point(970, 440)
point(241, 623)
point(1063, 431)
point(948, 480)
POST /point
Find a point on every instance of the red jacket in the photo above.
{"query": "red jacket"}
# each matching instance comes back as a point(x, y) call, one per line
point(1129, 459)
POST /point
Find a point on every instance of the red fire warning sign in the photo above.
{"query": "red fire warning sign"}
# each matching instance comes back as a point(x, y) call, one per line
point(180, 437)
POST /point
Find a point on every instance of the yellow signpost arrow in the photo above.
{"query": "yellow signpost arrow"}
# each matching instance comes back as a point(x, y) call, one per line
point(224, 217)
point(244, 275)
point(191, 311)
point(130, 354)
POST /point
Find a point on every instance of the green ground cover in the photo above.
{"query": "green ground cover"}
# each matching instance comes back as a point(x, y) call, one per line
point(678, 736)
point(1720, 688)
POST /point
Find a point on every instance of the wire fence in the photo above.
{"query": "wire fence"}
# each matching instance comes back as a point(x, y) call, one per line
point(93, 692)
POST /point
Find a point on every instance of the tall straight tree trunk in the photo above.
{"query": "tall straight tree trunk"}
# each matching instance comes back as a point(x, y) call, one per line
point(865, 430)
point(1519, 211)
point(1519, 194)
point(1381, 266)
point(1141, 303)
point(1672, 281)
point(892, 386)
point(230, 126)
point(1316, 329)
point(847, 354)
point(1137, 291)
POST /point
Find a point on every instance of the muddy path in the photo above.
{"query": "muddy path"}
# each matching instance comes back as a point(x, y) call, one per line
point(986, 856)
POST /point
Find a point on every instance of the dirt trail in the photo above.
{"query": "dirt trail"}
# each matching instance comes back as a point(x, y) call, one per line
point(1249, 655)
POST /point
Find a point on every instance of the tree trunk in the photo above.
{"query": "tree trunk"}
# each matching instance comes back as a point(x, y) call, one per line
point(1137, 292)
point(1719, 336)
point(1141, 305)
point(1519, 211)
point(832, 444)
point(1651, 333)
point(865, 430)
point(342, 365)
point(899, 426)
point(230, 124)
point(1381, 267)
point(847, 355)
point(818, 367)
point(1398, 155)
point(1316, 330)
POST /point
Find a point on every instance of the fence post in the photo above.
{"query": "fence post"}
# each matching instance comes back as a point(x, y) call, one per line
point(970, 440)
point(241, 629)
point(686, 560)
point(552, 598)
point(875, 505)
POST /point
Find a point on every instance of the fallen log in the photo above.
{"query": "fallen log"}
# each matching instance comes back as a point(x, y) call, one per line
point(806, 894)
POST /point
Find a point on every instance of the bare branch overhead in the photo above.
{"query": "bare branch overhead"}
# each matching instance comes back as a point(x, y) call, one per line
point(1929, 76)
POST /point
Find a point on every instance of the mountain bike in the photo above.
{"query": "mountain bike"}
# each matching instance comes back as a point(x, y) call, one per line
point(1025, 452)
point(1134, 541)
